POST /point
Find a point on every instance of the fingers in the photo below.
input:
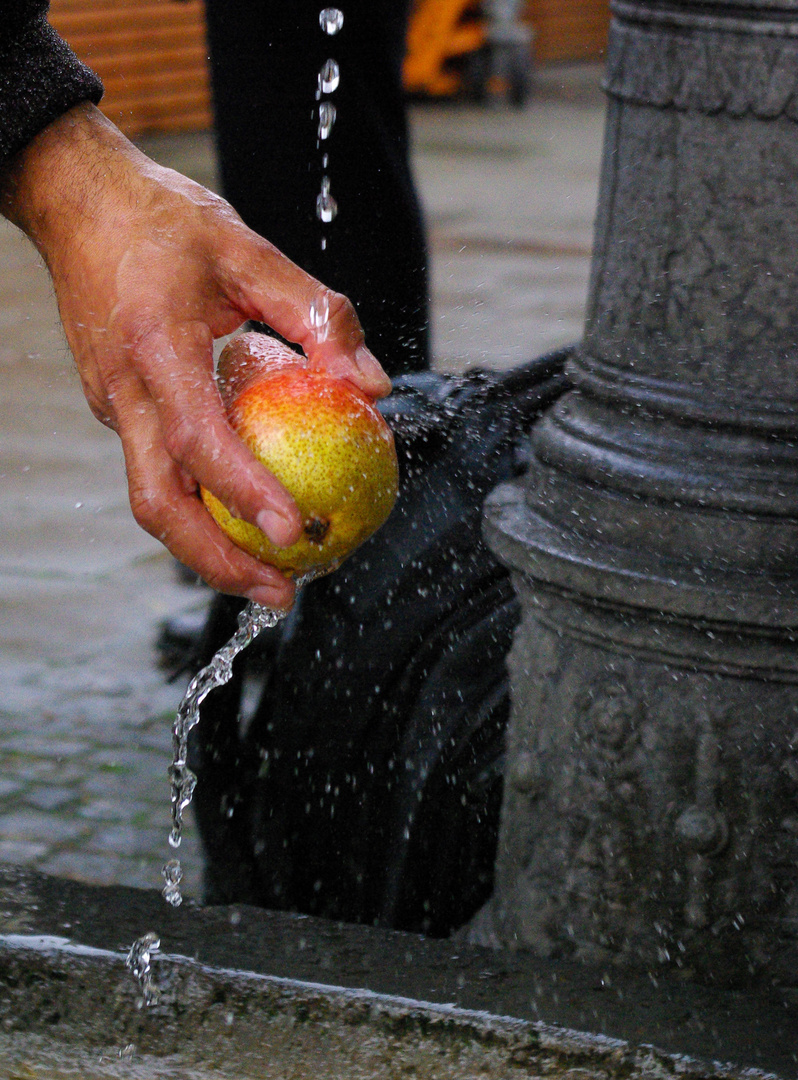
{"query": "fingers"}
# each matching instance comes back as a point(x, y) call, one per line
point(358, 364)
point(269, 288)
point(175, 368)
point(165, 503)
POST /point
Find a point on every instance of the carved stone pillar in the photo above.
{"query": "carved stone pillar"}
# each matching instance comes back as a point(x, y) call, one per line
point(651, 805)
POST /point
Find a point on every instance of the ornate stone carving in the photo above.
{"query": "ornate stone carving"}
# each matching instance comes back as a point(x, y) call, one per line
point(654, 540)
point(718, 72)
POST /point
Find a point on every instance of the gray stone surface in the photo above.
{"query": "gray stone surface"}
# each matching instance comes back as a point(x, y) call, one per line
point(266, 993)
point(655, 537)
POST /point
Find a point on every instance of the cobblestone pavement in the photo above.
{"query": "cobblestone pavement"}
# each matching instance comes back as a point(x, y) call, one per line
point(85, 713)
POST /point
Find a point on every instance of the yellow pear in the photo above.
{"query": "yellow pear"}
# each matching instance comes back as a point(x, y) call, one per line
point(324, 441)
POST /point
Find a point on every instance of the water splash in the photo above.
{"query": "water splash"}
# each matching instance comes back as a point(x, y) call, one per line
point(331, 20)
point(252, 621)
point(329, 77)
point(326, 206)
point(139, 964)
point(326, 119)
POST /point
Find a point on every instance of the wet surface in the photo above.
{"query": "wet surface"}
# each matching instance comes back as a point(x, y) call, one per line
point(85, 713)
point(754, 1028)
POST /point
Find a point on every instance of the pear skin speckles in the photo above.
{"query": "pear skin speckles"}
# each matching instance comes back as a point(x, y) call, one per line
point(323, 440)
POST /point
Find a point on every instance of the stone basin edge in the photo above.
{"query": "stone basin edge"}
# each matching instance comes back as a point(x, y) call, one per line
point(200, 1000)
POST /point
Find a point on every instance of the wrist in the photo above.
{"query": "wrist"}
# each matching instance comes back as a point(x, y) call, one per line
point(53, 188)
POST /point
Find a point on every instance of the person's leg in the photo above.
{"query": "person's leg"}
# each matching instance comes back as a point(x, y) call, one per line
point(265, 58)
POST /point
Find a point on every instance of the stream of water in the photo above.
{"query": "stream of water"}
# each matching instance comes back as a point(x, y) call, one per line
point(331, 20)
point(255, 618)
point(252, 621)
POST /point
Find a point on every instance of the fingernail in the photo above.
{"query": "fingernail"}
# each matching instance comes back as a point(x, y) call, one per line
point(264, 595)
point(280, 530)
point(369, 365)
point(366, 360)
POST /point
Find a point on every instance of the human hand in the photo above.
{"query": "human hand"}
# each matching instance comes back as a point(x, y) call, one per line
point(148, 268)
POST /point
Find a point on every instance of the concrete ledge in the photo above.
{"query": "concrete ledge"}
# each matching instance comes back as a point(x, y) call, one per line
point(66, 1000)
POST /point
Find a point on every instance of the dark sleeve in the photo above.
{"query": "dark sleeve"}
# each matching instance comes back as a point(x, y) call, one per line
point(40, 76)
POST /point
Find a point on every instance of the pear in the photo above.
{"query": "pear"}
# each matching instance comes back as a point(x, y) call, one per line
point(324, 441)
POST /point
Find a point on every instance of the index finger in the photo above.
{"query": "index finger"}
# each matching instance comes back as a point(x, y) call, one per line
point(175, 365)
point(269, 288)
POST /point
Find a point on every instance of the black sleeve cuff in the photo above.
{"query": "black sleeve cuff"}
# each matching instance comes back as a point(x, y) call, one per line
point(40, 79)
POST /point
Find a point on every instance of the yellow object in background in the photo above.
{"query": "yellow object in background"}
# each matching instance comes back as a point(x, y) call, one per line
point(439, 31)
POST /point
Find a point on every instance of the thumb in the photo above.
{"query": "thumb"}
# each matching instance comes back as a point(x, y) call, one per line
point(324, 323)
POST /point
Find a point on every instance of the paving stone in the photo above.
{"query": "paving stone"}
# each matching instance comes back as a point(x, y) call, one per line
point(128, 840)
point(32, 826)
point(50, 798)
point(106, 809)
point(82, 866)
point(40, 746)
point(21, 851)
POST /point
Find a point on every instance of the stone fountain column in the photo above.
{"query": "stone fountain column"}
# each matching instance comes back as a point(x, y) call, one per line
point(651, 803)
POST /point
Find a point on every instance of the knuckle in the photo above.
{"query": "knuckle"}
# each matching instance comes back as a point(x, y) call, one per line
point(342, 309)
point(147, 506)
point(100, 411)
point(182, 438)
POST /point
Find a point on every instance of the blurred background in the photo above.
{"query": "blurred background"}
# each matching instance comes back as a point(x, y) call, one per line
point(152, 57)
point(506, 160)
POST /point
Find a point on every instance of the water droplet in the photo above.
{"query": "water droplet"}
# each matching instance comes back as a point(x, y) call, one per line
point(325, 161)
point(329, 77)
point(326, 119)
point(320, 313)
point(324, 243)
point(331, 20)
point(326, 206)
point(172, 875)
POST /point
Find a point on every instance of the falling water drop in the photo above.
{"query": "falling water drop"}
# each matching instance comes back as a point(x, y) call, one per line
point(320, 313)
point(329, 77)
point(331, 20)
point(326, 206)
point(326, 119)
point(172, 875)
point(139, 963)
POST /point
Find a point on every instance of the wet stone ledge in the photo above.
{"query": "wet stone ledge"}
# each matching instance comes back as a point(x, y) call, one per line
point(254, 993)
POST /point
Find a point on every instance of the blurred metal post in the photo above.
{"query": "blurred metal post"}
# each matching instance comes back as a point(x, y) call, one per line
point(651, 801)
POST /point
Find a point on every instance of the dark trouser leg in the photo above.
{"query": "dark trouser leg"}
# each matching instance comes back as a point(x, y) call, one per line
point(265, 58)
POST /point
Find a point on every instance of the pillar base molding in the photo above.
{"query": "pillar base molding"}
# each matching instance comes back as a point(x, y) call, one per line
point(651, 794)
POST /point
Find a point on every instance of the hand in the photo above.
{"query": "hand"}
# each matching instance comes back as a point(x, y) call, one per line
point(148, 268)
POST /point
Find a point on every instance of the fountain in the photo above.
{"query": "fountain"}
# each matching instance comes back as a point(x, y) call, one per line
point(650, 810)
point(650, 815)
